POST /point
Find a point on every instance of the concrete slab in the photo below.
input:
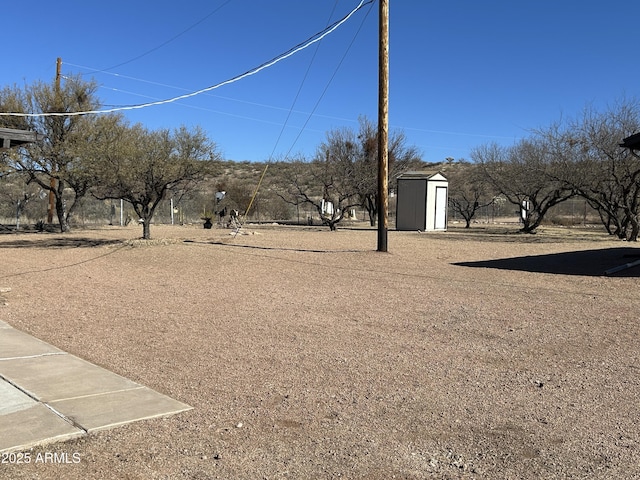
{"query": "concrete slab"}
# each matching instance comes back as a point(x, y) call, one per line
point(58, 377)
point(15, 344)
point(108, 410)
point(48, 395)
point(13, 400)
point(34, 425)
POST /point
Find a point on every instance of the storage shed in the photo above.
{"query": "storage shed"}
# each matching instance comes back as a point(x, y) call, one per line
point(422, 201)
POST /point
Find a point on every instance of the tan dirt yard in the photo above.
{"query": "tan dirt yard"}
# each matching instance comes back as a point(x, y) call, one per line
point(306, 354)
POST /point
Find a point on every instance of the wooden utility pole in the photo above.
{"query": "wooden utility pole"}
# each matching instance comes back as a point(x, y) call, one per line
point(52, 182)
point(383, 125)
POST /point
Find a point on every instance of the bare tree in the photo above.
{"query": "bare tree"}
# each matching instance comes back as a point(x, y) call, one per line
point(144, 166)
point(604, 173)
point(468, 189)
point(324, 184)
point(13, 100)
point(401, 158)
point(53, 163)
point(528, 175)
point(16, 198)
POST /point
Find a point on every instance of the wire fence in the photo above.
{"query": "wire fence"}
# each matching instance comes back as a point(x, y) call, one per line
point(197, 207)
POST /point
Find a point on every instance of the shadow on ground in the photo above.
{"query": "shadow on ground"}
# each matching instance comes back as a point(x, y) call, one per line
point(585, 262)
point(58, 242)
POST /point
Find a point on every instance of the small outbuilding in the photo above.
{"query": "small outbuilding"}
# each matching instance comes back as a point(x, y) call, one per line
point(422, 201)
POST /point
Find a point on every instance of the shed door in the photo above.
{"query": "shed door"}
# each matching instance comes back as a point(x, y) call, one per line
point(411, 206)
point(441, 208)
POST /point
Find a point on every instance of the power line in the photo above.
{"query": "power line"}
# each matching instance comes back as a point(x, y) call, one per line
point(327, 86)
point(301, 46)
point(274, 107)
point(174, 87)
point(166, 42)
point(204, 109)
point(304, 78)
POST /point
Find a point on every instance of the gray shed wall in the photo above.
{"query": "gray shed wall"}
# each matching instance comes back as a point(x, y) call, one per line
point(411, 206)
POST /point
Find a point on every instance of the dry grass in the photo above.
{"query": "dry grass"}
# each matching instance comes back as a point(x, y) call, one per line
point(307, 354)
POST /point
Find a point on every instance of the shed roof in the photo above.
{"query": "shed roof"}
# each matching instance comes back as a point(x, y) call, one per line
point(423, 174)
point(10, 137)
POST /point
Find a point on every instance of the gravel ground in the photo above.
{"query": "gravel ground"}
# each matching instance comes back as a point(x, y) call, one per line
point(306, 354)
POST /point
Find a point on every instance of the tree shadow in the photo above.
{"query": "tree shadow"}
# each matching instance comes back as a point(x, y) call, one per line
point(58, 242)
point(598, 262)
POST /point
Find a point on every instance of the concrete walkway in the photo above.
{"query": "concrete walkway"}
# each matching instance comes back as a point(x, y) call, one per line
point(48, 395)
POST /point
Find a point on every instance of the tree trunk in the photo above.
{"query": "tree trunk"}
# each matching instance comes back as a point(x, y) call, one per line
point(146, 229)
point(635, 229)
point(372, 210)
point(372, 218)
point(75, 203)
point(530, 227)
point(62, 220)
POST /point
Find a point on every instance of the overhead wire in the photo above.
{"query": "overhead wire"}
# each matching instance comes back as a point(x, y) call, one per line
point(284, 125)
point(198, 107)
point(159, 84)
point(255, 193)
point(328, 84)
point(292, 51)
point(297, 95)
point(166, 42)
point(274, 107)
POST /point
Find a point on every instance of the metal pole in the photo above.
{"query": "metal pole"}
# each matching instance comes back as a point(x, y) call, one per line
point(383, 125)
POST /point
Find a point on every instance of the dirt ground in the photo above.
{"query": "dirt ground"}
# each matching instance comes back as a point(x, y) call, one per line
point(306, 354)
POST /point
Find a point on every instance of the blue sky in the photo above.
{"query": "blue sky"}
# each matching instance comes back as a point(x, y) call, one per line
point(462, 73)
